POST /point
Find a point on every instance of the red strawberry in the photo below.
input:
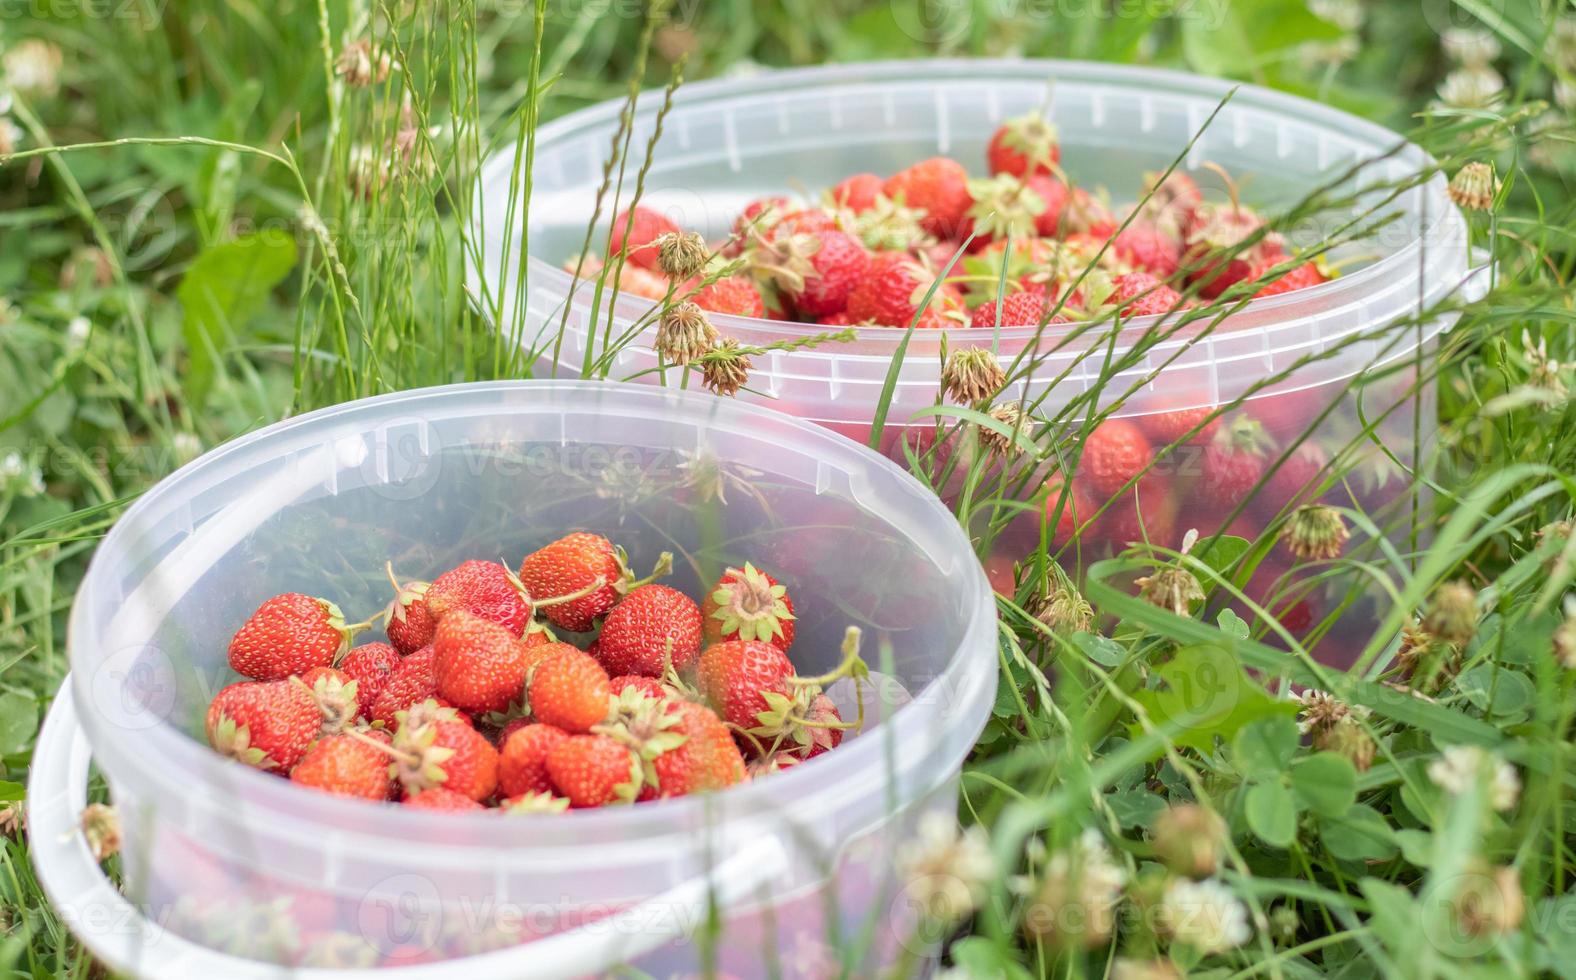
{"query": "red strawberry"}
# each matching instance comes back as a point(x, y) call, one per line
point(838, 263)
point(1141, 294)
point(1234, 461)
point(1023, 145)
point(572, 564)
point(707, 759)
point(748, 604)
point(337, 696)
point(1215, 252)
point(634, 231)
point(522, 761)
point(823, 731)
point(482, 588)
point(858, 193)
point(1055, 195)
point(648, 686)
point(569, 690)
point(1295, 481)
point(839, 319)
point(759, 216)
point(1172, 201)
point(344, 765)
point(893, 287)
point(733, 677)
point(1164, 428)
point(413, 681)
point(1070, 508)
point(774, 762)
point(266, 724)
point(810, 221)
point(1145, 512)
point(1088, 216)
point(478, 665)
point(438, 798)
point(407, 620)
point(434, 746)
point(594, 770)
point(1298, 277)
point(939, 186)
point(734, 295)
point(289, 634)
point(1146, 248)
point(1007, 207)
point(652, 626)
point(370, 665)
point(1114, 453)
point(1024, 308)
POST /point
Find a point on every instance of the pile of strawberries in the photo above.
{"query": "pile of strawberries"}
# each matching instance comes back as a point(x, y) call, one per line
point(870, 250)
point(474, 701)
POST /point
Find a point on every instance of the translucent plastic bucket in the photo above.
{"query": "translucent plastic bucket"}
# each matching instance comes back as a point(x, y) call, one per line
point(428, 478)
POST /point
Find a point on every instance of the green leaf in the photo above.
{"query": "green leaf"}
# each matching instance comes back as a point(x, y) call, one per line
point(1217, 44)
point(1281, 24)
point(978, 956)
point(1204, 695)
point(1417, 846)
point(1326, 783)
point(12, 792)
point(1502, 693)
point(1271, 813)
point(221, 292)
point(1221, 553)
point(18, 721)
point(1134, 807)
point(1101, 649)
point(1362, 834)
point(1232, 624)
point(1265, 747)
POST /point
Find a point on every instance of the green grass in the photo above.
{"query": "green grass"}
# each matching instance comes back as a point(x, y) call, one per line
point(245, 238)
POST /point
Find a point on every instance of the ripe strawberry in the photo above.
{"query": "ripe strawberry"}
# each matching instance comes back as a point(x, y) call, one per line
point(1164, 428)
point(734, 295)
point(1114, 453)
point(482, 588)
point(634, 231)
point(572, 564)
point(939, 186)
point(748, 604)
point(837, 264)
point(1145, 512)
point(840, 319)
point(759, 217)
point(407, 620)
point(266, 724)
point(370, 665)
point(434, 746)
point(337, 696)
point(1298, 277)
point(822, 731)
point(707, 759)
point(1145, 247)
point(1023, 145)
point(413, 681)
point(1296, 481)
point(1088, 216)
point(478, 665)
point(1141, 294)
point(809, 221)
point(653, 626)
point(647, 686)
point(1234, 461)
point(569, 690)
point(1054, 195)
point(528, 803)
point(344, 765)
point(438, 798)
point(1006, 207)
point(1215, 252)
point(594, 770)
point(775, 762)
point(1172, 201)
point(1024, 308)
point(522, 760)
point(858, 193)
point(893, 287)
point(733, 677)
point(1071, 509)
point(289, 634)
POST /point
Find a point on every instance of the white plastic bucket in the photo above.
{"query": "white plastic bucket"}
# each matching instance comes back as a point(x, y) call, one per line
point(424, 479)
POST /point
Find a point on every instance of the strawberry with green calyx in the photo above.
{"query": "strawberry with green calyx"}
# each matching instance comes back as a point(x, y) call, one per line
point(407, 620)
point(894, 293)
point(890, 226)
point(1024, 145)
point(522, 759)
point(805, 721)
point(775, 762)
point(345, 766)
point(704, 756)
point(486, 589)
point(645, 725)
point(479, 665)
point(1225, 243)
point(940, 187)
point(594, 770)
point(412, 682)
point(1235, 461)
point(438, 798)
point(264, 724)
point(1171, 199)
point(529, 803)
point(433, 746)
point(649, 686)
point(568, 689)
point(336, 695)
point(652, 626)
point(370, 665)
point(290, 634)
point(748, 604)
point(589, 567)
point(752, 686)
point(1004, 207)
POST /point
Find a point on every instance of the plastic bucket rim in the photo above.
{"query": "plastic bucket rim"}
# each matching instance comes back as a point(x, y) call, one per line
point(174, 750)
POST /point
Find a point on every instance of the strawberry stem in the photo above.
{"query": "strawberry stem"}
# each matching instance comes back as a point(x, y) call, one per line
point(851, 666)
point(1231, 185)
point(663, 566)
point(570, 596)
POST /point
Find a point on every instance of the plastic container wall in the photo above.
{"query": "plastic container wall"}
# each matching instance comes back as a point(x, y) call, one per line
point(254, 866)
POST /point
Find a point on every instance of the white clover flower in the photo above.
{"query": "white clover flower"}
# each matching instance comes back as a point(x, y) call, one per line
point(187, 446)
point(946, 870)
point(1348, 15)
point(11, 466)
point(77, 331)
point(1074, 902)
point(1470, 47)
point(19, 476)
point(33, 68)
point(1460, 766)
point(1205, 915)
point(1471, 88)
